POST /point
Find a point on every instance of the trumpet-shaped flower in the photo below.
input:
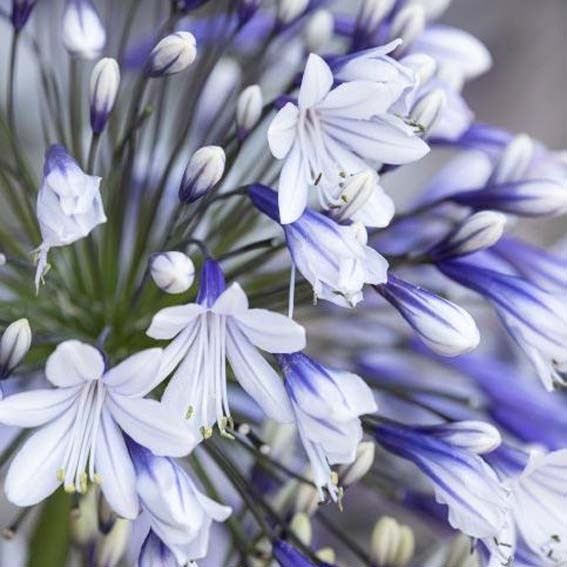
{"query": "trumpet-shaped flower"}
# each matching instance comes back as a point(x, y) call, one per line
point(330, 256)
point(333, 132)
point(180, 515)
point(220, 326)
point(83, 421)
point(69, 205)
point(327, 404)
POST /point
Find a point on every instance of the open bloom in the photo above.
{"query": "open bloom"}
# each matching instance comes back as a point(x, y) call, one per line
point(331, 132)
point(327, 404)
point(180, 515)
point(84, 419)
point(219, 326)
point(330, 256)
point(69, 204)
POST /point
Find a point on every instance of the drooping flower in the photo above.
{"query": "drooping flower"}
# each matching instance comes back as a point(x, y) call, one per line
point(83, 421)
point(327, 404)
point(220, 326)
point(180, 516)
point(69, 205)
point(331, 133)
point(330, 256)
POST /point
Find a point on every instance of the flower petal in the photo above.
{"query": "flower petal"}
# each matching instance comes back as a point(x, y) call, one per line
point(257, 377)
point(32, 476)
point(232, 301)
point(151, 425)
point(30, 409)
point(172, 320)
point(282, 130)
point(271, 331)
point(135, 376)
point(293, 186)
point(115, 468)
point(316, 83)
point(73, 363)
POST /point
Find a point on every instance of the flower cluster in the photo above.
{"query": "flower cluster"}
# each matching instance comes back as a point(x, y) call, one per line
point(220, 324)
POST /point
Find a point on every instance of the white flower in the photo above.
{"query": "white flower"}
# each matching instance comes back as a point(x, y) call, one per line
point(82, 31)
point(69, 205)
point(331, 132)
point(327, 404)
point(219, 326)
point(84, 420)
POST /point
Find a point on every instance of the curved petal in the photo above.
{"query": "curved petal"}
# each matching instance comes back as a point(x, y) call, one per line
point(30, 409)
point(232, 301)
point(32, 476)
point(113, 464)
point(282, 130)
point(316, 83)
point(293, 186)
point(136, 375)
point(172, 320)
point(151, 425)
point(378, 211)
point(257, 377)
point(73, 363)
point(154, 552)
point(271, 331)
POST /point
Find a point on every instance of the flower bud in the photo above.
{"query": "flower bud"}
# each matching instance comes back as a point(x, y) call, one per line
point(371, 15)
point(300, 525)
point(111, 547)
point(391, 544)
point(462, 553)
point(246, 9)
point(408, 24)
point(428, 108)
point(21, 11)
point(515, 160)
point(84, 520)
point(424, 66)
point(477, 232)
point(476, 436)
point(3, 260)
point(173, 271)
point(444, 327)
point(204, 170)
point(173, 54)
point(433, 8)
point(82, 30)
point(327, 555)
point(248, 109)
point(14, 345)
point(353, 472)
point(106, 516)
point(319, 30)
point(290, 10)
point(105, 80)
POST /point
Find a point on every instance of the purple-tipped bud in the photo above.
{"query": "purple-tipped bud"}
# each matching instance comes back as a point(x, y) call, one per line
point(21, 11)
point(204, 170)
point(105, 81)
point(173, 54)
point(211, 283)
point(14, 345)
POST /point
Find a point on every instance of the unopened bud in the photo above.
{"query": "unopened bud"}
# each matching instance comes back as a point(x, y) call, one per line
point(476, 436)
point(248, 109)
point(424, 66)
point(372, 14)
point(306, 497)
point(111, 547)
point(84, 520)
point(105, 80)
point(106, 516)
point(392, 545)
point(83, 34)
point(327, 555)
point(290, 10)
point(352, 473)
point(477, 232)
point(21, 11)
point(300, 525)
point(433, 8)
point(356, 192)
point(427, 109)
point(173, 54)
point(174, 272)
point(408, 24)
point(515, 160)
point(319, 30)
point(246, 9)
point(14, 345)
point(2, 260)
point(462, 553)
point(204, 170)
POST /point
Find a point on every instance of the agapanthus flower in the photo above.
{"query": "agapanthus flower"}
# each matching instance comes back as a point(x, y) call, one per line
point(83, 421)
point(221, 326)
